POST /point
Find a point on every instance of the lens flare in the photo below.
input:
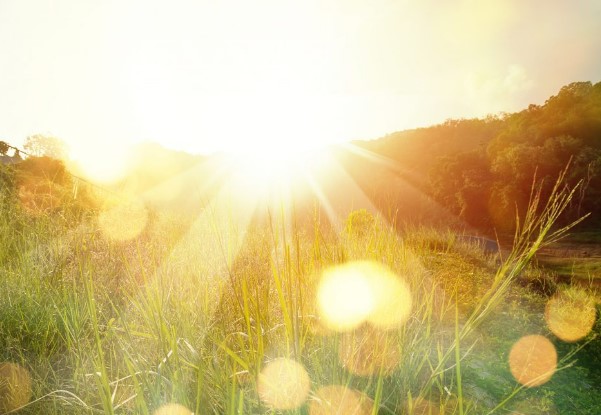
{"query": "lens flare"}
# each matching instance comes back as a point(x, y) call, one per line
point(357, 292)
point(391, 296)
point(173, 409)
point(123, 221)
point(367, 351)
point(344, 297)
point(571, 314)
point(100, 162)
point(283, 384)
point(15, 387)
point(338, 400)
point(533, 360)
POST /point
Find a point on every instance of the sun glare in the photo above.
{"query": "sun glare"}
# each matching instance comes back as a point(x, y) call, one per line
point(100, 163)
point(264, 168)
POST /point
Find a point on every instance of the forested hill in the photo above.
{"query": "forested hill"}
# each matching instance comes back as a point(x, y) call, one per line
point(481, 169)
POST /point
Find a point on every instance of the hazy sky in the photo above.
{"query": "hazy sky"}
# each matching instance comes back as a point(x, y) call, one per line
point(208, 75)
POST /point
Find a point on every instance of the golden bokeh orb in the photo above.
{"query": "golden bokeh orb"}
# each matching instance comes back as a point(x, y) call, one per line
point(123, 221)
point(392, 298)
point(283, 384)
point(362, 291)
point(340, 400)
point(172, 409)
point(15, 386)
point(344, 297)
point(571, 314)
point(533, 360)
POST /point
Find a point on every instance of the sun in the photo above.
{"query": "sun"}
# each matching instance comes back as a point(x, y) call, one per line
point(268, 166)
point(101, 163)
point(275, 137)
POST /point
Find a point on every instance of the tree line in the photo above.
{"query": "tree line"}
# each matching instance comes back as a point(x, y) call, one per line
point(483, 170)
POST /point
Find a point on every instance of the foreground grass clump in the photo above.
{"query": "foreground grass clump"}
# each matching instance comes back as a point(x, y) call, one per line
point(212, 316)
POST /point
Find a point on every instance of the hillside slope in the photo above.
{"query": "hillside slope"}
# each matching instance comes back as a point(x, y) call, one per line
point(482, 170)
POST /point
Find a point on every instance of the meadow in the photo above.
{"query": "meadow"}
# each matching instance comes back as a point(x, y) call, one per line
point(127, 310)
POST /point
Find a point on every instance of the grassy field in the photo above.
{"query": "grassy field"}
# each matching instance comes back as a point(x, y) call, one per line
point(131, 312)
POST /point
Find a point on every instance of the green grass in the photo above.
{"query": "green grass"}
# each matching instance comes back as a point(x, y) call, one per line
point(192, 312)
point(578, 268)
point(585, 237)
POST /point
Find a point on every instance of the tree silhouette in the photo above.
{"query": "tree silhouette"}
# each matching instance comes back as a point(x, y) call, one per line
point(3, 148)
point(41, 145)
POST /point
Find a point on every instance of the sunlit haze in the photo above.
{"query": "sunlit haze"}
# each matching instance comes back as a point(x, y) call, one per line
point(207, 76)
point(318, 207)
